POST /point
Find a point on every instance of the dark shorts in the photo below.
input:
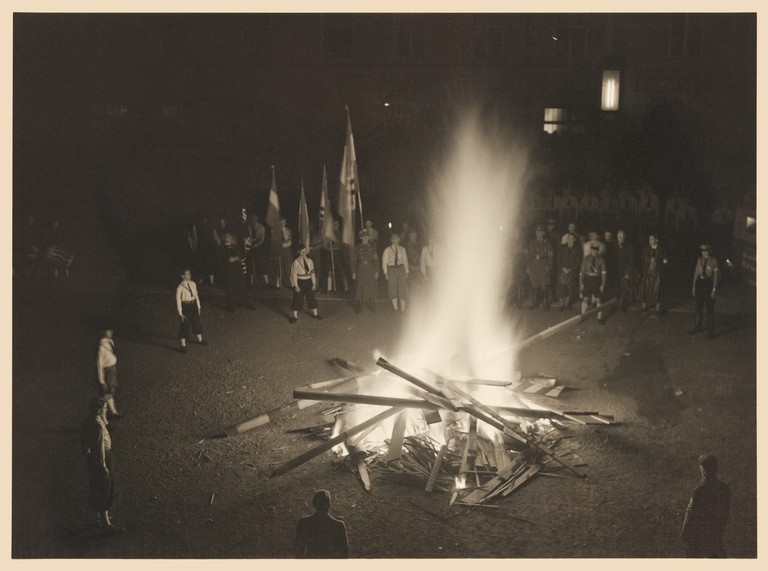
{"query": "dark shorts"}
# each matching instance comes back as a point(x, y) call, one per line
point(192, 325)
point(397, 285)
point(110, 380)
point(305, 290)
point(592, 287)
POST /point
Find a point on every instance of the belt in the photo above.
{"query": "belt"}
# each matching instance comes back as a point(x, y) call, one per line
point(303, 279)
point(397, 266)
point(188, 302)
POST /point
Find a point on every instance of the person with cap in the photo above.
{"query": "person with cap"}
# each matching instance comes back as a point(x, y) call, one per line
point(365, 271)
point(705, 278)
point(106, 370)
point(304, 283)
point(96, 445)
point(592, 279)
point(707, 513)
point(188, 308)
point(413, 250)
point(286, 252)
point(394, 264)
point(653, 261)
point(321, 536)
point(569, 257)
point(540, 260)
point(593, 239)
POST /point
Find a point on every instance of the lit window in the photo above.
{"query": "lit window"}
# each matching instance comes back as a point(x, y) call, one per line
point(609, 100)
point(553, 120)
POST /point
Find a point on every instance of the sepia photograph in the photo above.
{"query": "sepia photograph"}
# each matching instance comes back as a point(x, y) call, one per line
point(383, 285)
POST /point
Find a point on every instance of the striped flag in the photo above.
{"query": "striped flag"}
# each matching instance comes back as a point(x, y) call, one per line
point(326, 215)
point(244, 215)
point(303, 218)
point(273, 213)
point(349, 196)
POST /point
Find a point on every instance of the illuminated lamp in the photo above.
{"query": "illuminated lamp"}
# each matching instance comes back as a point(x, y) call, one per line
point(610, 95)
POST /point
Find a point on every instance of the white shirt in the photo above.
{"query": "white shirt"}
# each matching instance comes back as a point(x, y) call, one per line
point(430, 258)
point(390, 256)
point(106, 357)
point(186, 291)
point(299, 272)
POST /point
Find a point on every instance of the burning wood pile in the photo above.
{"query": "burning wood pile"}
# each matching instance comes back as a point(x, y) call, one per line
point(438, 434)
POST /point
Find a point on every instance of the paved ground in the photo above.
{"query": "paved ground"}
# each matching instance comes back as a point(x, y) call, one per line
point(182, 494)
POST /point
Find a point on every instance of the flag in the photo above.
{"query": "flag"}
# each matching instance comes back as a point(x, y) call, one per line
point(326, 215)
point(244, 215)
point(349, 198)
point(273, 213)
point(303, 218)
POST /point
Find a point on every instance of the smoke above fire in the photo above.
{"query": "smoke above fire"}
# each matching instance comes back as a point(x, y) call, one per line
point(458, 326)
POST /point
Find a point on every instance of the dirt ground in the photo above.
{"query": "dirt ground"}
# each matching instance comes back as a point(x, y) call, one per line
point(182, 494)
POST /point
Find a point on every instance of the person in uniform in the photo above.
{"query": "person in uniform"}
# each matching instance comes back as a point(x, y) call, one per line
point(707, 513)
point(321, 536)
point(430, 259)
point(540, 261)
point(704, 291)
point(653, 261)
point(233, 272)
point(373, 234)
point(304, 283)
point(96, 445)
point(592, 279)
point(554, 239)
point(413, 251)
point(106, 370)
point(569, 263)
point(188, 308)
point(593, 239)
point(365, 270)
point(394, 264)
point(624, 270)
point(286, 253)
point(256, 250)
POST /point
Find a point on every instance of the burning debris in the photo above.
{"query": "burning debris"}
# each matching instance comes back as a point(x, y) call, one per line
point(438, 436)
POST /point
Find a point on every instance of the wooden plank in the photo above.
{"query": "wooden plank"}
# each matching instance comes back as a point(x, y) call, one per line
point(364, 399)
point(384, 364)
point(527, 475)
point(365, 477)
point(314, 452)
point(396, 442)
point(478, 495)
point(436, 468)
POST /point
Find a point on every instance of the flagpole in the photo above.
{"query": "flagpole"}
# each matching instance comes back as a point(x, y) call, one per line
point(333, 266)
point(357, 178)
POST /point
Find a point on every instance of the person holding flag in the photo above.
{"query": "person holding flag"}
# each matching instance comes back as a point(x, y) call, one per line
point(349, 200)
point(365, 270)
point(275, 233)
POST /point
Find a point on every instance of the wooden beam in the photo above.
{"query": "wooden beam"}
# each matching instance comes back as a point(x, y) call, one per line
point(396, 442)
point(386, 365)
point(364, 399)
point(315, 452)
point(549, 331)
point(436, 468)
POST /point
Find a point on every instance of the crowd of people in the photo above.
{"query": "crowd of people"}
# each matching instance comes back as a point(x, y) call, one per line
point(40, 247)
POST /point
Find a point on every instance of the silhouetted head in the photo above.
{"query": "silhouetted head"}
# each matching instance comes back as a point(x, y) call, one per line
point(322, 501)
point(708, 464)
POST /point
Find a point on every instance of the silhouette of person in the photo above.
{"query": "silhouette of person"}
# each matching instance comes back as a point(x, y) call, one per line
point(707, 513)
point(321, 536)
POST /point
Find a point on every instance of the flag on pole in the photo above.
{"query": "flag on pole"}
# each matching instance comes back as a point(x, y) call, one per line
point(244, 215)
point(348, 189)
point(303, 218)
point(273, 213)
point(326, 215)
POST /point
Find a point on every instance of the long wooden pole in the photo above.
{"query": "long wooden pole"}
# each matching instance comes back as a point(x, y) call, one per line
point(315, 452)
point(364, 399)
point(549, 331)
point(384, 364)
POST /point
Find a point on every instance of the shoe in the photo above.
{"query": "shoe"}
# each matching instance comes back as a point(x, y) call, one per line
point(114, 416)
point(601, 321)
point(203, 342)
point(317, 317)
point(113, 529)
point(292, 320)
point(694, 331)
point(183, 350)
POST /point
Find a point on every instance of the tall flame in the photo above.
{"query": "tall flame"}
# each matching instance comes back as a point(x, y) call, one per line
point(459, 323)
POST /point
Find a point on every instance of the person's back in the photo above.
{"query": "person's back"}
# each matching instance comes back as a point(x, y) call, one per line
point(321, 536)
point(707, 514)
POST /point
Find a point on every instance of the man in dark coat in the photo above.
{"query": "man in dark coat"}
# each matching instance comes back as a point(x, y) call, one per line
point(321, 536)
point(624, 274)
point(540, 261)
point(233, 268)
point(569, 263)
point(707, 513)
point(654, 260)
point(365, 270)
